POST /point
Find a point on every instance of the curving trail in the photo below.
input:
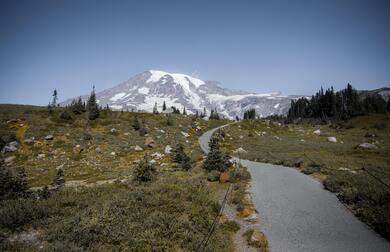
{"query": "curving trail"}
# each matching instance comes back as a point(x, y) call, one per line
point(297, 214)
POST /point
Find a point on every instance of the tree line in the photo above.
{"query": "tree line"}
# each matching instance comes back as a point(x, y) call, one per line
point(340, 105)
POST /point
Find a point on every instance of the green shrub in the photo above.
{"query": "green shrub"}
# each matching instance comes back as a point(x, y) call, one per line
point(213, 176)
point(65, 115)
point(12, 182)
point(231, 226)
point(17, 213)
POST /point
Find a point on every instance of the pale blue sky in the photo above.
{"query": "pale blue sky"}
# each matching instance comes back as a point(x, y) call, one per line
point(263, 46)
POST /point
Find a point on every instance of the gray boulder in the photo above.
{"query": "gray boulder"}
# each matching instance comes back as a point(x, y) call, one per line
point(49, 137)
point(367, 146)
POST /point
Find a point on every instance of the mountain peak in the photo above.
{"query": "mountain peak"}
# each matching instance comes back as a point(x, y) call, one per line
point(142, 91)
point(178, 78)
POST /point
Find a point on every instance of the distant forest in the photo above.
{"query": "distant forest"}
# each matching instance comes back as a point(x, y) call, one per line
point(340, 105)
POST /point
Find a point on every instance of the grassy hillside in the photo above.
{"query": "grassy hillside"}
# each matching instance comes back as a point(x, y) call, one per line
point(339, 165)
point(101, 207)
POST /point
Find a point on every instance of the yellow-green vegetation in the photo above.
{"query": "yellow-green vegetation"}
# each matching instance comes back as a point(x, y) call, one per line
point(338, 164)
point(101, 207)
point(107, 155)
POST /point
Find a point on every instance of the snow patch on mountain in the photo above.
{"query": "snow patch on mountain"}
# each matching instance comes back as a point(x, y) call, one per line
point(143, 90)
point(117, 96)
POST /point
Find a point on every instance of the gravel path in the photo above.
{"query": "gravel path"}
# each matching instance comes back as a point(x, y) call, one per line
point(299, 215)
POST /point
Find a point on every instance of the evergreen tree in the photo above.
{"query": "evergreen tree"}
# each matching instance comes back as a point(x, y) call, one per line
point(184, 111)
point(92, 107)
point(164, 106)
point(250, 114)
point(216, 160)
point(55, 97)
point(388, 105)
point(155, 110)
point(136, 123)
point(175, 110)
point(336, 105)
point(214, 114)
point(144, 171)
point(196, 114)
point(180, 157)
point(204, 112)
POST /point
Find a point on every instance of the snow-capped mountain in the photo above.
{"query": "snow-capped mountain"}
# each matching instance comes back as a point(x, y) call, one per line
point(142, 91)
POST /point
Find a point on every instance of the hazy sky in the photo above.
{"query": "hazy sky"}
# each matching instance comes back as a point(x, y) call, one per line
point(289, 46)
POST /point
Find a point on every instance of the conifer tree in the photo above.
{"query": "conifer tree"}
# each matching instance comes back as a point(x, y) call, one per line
point(164, 106)
point(92, 107)
point(155, 110)
point(180, 157)
point(216, 160)
point(388, 105)
point(184, 111)
point(144, 171)
point(136, 123)
point(55, 97)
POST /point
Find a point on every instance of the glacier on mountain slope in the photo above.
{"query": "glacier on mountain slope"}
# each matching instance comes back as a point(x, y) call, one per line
point(141, 92)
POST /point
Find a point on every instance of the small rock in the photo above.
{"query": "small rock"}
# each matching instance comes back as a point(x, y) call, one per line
point(241, 137)
point(60, 167)
point(113, 153)
point(251, 218)
point(157, 155)
point(240, 150)
point(29, 140)
point(113, 130)
point(152, 161)
point(332, 139)
point(367, 146)
point(49, 137)
point(277, 138)
point(98, 150)
point(42, 155)
point(126, 133)
point(8, 148)
point(224, 177)
point(150, 142)
point(138, 148)
point(185, 134)
point(317, 132)
point(168, 149)
point(246, 212)
point(9, 159)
